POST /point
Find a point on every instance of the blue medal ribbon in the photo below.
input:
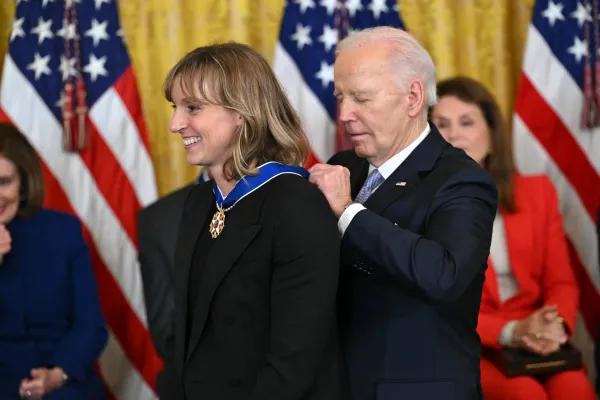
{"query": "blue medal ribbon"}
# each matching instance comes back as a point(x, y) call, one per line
point(249, 184)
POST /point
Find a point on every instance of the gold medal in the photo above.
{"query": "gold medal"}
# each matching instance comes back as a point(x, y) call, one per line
point(218, 223)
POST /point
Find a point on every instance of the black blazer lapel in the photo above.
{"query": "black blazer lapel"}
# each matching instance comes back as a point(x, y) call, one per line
point(358, 176)
point(196, 210)
point(237, 234)
point(408, 175)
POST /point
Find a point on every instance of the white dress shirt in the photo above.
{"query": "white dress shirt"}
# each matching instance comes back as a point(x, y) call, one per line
point(507, 284)
point(386, 169)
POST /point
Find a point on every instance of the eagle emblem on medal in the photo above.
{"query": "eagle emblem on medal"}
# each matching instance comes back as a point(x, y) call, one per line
point(217, 224)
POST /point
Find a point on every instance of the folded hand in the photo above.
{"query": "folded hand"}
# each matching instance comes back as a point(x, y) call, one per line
point(42, 382)
point(5, 241)
point(542, 332)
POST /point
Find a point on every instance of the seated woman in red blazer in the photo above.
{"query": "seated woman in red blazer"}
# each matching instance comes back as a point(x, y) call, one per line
point(530, 296)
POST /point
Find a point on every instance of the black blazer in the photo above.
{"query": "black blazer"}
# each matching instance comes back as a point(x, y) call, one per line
point(158, 225)
point(264, 320)
point(413, 269)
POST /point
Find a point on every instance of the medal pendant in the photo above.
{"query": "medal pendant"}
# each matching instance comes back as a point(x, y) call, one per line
point(218, 223)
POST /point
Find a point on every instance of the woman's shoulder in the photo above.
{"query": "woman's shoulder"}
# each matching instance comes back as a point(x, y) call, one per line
point(55, 219)
point(294, 187)
point(533, 185)
point(55, 228)
point(291, 193)
point(535, 193)
point(57, 216)
point(292, 202)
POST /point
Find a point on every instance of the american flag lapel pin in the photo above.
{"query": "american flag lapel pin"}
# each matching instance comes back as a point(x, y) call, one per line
point(401, 183)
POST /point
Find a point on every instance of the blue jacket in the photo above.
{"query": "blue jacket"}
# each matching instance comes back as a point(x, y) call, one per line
point(413, 266)
point(49, 307)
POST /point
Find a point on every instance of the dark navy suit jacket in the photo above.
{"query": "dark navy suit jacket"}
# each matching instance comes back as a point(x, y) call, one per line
point(49, 308)
point(413, 270)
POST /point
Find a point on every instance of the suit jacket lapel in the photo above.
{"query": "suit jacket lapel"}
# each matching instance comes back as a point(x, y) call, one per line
point(400, 182)
point(491, 285)
point(240, 229)
point(409, 173)
point(196, 210)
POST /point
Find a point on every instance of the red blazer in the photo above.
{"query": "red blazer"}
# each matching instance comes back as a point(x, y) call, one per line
point(539, 261)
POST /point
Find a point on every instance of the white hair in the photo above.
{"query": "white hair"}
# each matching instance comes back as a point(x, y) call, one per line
point(409, 60)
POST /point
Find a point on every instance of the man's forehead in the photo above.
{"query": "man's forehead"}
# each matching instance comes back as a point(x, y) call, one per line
point(361, 62)
point(359, 72)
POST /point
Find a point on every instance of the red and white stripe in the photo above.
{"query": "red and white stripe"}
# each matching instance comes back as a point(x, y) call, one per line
point(548, 139)
point(106, 186)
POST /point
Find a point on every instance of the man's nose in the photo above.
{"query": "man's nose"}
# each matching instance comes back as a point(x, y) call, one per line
point(346, 110)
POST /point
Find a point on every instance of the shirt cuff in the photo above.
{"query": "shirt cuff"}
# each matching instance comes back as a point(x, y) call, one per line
point(347, 216)
point(506, 334)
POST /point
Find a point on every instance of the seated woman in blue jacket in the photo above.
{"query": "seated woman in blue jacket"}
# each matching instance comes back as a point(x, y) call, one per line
point(51, 326)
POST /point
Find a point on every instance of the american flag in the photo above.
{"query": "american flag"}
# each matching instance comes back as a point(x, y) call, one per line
point(549, 135)
point(106, 183)
point(304, 56)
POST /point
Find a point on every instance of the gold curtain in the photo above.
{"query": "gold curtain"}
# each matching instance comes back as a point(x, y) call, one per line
point(482, 39)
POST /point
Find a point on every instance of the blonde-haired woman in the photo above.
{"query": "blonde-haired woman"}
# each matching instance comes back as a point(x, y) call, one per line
point(257, 257)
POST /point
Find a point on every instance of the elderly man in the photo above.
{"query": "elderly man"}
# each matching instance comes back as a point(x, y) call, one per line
point(416, 215)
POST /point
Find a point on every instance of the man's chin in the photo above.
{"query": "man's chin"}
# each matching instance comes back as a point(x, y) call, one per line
point(362, 152)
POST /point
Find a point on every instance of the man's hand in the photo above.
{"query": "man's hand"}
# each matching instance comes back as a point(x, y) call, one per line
point(542, 332)
point(334, 182)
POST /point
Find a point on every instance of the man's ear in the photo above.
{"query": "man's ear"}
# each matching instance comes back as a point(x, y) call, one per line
point(416, 98)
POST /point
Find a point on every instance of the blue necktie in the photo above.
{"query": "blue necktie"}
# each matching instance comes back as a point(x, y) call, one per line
point(373, 181)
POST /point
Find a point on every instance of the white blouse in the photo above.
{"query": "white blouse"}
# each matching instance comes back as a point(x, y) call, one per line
point(507, 284)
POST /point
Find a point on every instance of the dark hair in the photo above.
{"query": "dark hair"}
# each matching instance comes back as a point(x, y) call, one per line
point(15, 147)
point(237, 77)
point(499, 163)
